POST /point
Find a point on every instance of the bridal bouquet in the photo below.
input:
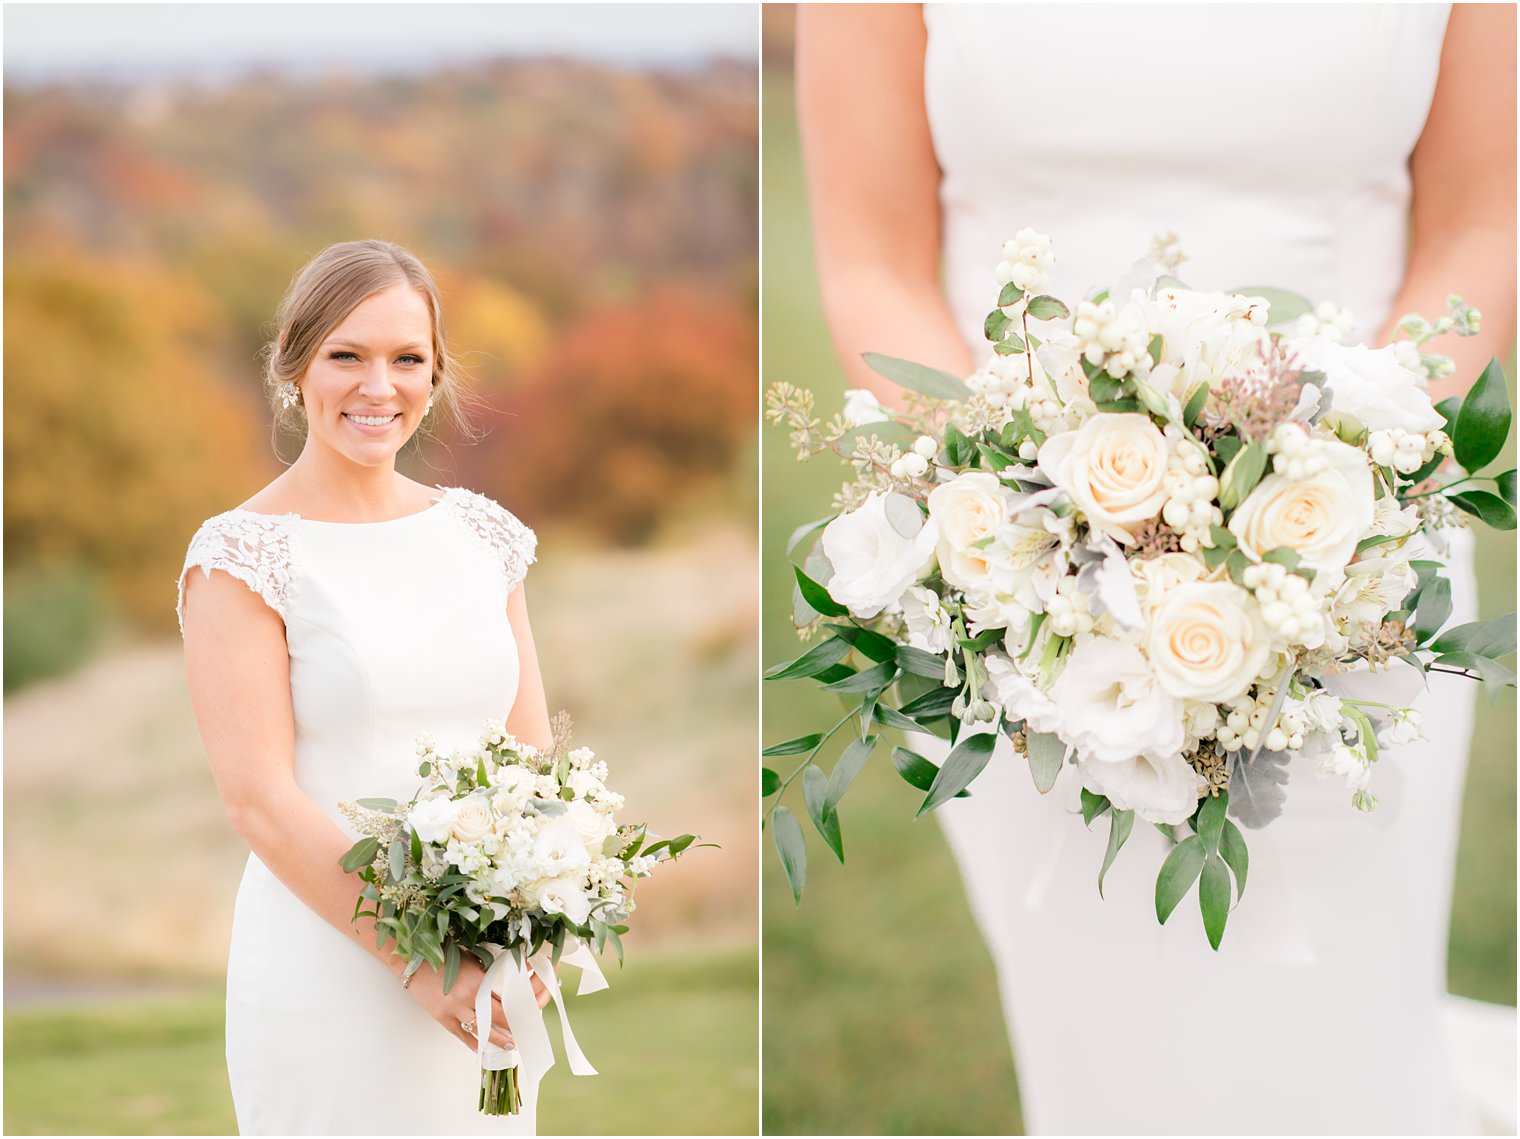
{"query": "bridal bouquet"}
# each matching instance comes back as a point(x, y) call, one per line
point(1169, 539)
point(514, 856)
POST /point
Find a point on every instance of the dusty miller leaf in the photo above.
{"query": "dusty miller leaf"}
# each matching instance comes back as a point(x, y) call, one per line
point(1258, 788)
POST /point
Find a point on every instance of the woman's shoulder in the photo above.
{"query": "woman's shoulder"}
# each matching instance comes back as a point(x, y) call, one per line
point(508, 538)
point(252, 547)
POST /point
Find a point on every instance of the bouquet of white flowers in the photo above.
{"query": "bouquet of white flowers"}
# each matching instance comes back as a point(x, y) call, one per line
point(1171, 539)
point(512, 855)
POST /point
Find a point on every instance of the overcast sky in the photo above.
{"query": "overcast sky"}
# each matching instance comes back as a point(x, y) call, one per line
point(45, 42)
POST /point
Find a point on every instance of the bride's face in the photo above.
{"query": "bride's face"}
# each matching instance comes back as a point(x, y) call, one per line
point(365, 389)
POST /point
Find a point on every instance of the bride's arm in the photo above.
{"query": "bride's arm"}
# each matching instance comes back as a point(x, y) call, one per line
point(873, 188)
point(1463, 171)
point(529, 718)
point(239, 679)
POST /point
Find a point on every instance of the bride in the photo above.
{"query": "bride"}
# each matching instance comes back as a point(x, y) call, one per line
point(1287, 146)
point(339, 613)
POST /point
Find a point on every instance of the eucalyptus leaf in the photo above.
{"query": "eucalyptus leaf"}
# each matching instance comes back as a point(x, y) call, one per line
point(362, 853)
point(1211, 821)
point(885, 430)
point(961, 766)
point(398, 860)
point(1046, 754)
point(388, 806)
point(1482, 422)
point(450, 965)
point(1178, 873)
point(804, 530)
point(786, 832)
point(903, 514)
point(1119, 826)
point(1257, 788)
point(1214, 898)
point(917, 377)
point(1490, 671)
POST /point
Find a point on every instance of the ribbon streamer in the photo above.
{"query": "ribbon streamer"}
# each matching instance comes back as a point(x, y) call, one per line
point(511, 980)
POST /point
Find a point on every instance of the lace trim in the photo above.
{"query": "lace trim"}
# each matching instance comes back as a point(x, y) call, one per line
point(254, 548)
point(513, 543)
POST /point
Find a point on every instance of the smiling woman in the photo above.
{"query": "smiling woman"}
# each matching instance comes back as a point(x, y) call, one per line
point(306, 701)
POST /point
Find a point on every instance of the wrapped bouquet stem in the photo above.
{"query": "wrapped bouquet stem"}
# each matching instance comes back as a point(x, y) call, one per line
point(1168, 539)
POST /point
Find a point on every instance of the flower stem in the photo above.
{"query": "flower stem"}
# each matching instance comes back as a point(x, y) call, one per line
point(803, 766)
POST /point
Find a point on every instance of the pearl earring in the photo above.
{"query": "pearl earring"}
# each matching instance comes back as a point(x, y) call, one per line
point(289, 394)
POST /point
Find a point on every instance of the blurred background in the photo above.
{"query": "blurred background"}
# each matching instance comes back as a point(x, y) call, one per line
point(583, 183)
point(870, 980)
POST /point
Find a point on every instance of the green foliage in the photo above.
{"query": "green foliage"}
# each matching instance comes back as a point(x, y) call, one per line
point(916, 377)
point(1284, 305)
point(54, 619)
point(961, 766)
point(1046, 754)
point(1483, 422)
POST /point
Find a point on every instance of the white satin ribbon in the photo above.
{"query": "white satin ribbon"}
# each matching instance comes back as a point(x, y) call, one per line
point(512, 982)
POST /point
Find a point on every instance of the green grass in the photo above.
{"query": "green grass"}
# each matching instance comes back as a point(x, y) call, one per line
point(674, 1039)
point(881, 1011)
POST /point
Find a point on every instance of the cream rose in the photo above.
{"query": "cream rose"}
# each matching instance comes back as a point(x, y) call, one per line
point(967, 512)
point(593, 828)
point(1321, 517)
point(1207, 641)
point(1112, 468)
point(473, 822)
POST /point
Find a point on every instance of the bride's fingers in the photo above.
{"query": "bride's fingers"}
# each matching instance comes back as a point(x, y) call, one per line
point(540, 991)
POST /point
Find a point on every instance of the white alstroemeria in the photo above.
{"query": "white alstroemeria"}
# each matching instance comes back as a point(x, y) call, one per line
point(1058, 362)
point(1206, 336)
point(873, 563)
point(433, 819)
point(928, 623)
point(1373, 588)
point(1111, 707)
point(1116, 587)
point(1372, 385)
point(1020, 697)
point(861, 407)
point(1321, 515)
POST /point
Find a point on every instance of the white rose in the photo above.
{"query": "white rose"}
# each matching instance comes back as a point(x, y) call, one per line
point(583, 783)
point(593, 828)
point(473, 821)
point(967, 512)
point(561, 896)
point(433, 819)
point(1373, 385)
point(862, 407)
point(1207, 641)
point(558, 848)
point(1321, 517)
point(873, 563)
point(1112, 468)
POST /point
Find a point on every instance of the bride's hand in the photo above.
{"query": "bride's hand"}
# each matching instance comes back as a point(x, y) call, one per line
point(456, 1008)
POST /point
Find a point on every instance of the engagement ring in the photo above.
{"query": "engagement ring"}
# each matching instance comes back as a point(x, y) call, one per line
point(468, 1026)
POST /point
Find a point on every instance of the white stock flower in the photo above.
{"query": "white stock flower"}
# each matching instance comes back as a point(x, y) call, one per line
point(1111, 706)
point(1207, 641)
point(1321, 516)
point(1113, 468)
point(433, 819)
point(472, 822)
point(928, 623)
point(1371, 384)
point(861, 407)
point(562, 895)
point(873, 563)
point(1019, 696)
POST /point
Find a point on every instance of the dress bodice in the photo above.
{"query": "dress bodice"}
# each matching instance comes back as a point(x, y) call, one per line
point(1278, 156)
point(394, 629)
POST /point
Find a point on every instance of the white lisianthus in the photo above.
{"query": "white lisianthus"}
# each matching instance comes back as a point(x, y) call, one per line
point(1206, 641)
point(873, 563)
point(1371, 384)
point(1321, 516)
point(967, 512)
point(433, 819)
point(928, 623)
point(1159, 790)
point(1019, 696)
point(861, 407)
point(562, 895)
point(559, 849)
point(472, 822)
point(1113, 468)
point(1111, 706)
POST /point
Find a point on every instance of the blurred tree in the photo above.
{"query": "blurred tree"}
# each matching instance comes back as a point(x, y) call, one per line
point(635, 408)
point(119, 439)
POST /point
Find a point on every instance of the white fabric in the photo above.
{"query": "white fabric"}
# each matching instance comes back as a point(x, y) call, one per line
point(1274, 141)
point(394, 629)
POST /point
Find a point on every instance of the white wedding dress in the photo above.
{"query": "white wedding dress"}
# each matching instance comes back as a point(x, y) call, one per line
point(1273, 140)
point(395, 629)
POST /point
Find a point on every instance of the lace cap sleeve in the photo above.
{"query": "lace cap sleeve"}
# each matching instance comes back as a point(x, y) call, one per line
point(254, 548)
point(513, 543)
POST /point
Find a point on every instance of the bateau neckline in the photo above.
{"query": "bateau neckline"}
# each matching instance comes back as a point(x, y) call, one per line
point(291, 514)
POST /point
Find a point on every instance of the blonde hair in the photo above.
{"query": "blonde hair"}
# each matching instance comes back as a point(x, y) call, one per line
point(329, 287)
